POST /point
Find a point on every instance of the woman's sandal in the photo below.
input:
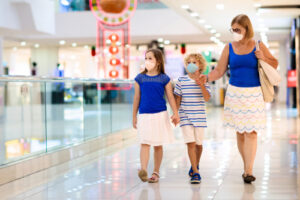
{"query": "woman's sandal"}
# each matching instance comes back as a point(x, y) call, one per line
point(143, 175)
point(154, 178)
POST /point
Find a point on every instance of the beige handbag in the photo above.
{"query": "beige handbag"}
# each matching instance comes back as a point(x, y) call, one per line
point(266, 87)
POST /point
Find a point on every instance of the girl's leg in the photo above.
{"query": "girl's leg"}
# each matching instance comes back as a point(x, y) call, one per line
point(199, 149)
point(144, 156)
point(192, 155)
point(250, 151)
point(158, 154)
point(241, 144)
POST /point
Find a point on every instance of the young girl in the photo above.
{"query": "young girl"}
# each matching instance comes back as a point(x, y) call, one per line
point(153, 124)
point(190, 95)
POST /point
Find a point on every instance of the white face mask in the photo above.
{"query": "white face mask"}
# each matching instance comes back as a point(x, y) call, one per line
point(149, 65)
point(237, 37)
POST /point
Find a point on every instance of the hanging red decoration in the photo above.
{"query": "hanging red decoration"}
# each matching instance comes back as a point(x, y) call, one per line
point(113, 37)
point(182, 49)
point(93, 51)
point(113, 73)
point(113, 49)
point(114, 62)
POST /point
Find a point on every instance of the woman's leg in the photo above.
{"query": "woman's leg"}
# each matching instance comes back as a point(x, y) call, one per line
point(144, 156)
point(199, 149)
point(250, 147)
point(192, 155)
point(158, 154)
point(241, 144)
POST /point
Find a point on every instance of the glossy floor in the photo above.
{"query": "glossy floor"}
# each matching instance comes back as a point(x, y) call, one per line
point(112, 173)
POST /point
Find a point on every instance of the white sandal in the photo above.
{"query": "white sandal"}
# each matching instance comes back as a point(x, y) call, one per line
point(154, 179)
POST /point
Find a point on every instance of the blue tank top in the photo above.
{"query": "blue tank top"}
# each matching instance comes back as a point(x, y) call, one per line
point(243, 69)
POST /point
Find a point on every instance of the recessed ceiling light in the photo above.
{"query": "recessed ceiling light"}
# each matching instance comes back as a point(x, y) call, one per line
point(220, 6)
point(201, 21)
point(160, 39)
point(194, 14)
point(36, 45)
point(185, 6)
point(23, 43)
point(74, 44)
point(257, 5)
point(207, 26)
point(213, 38)
point(167, 42)
point(213, 31)
point(161, 45)
point(86, 46)
point(218, 34)
point(62, 42)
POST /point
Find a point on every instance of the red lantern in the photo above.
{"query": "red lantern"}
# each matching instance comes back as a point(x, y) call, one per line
point(113, 50)
point(113, 37)
point(93, 51)
point(114, 62)
point(113, 73)
point(182, 49)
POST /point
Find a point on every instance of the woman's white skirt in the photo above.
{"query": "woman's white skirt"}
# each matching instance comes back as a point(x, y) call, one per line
point(244, 109)
point(155, 129)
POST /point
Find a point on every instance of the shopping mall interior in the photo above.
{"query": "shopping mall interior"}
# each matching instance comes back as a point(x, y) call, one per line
point(67, 70)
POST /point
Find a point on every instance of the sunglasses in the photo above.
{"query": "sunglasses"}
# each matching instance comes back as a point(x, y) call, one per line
point(235, 30)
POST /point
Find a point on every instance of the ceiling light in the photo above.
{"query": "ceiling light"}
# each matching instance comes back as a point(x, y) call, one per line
point(160, 39)
point(36, 45)
point(15, 48)
point(185, 6)
point(65, 2)
point(62, 42)
point(213, 31)
point(86, 46)
point(23, 43)
point(213, 38)
point(257, 5)
point(74, 44)
point(218, 34)
point(161, 45)
point(167, 42)
point(194, 14)
point(220, 6)
point(207, 26)
point(201, 21)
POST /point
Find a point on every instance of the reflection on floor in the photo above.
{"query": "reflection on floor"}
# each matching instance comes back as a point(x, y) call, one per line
point(112, 173)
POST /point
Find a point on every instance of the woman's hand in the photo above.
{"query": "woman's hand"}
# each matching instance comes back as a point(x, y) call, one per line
point(175, 119)
point(201, 80)
point(259, 54)
point(134, 122)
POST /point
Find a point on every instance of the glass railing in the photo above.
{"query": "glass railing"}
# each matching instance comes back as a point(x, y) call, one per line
point(39, 115)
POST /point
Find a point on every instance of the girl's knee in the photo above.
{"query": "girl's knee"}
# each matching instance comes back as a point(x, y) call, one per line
point(252, 135)
point(158, 148)
point(145, 146)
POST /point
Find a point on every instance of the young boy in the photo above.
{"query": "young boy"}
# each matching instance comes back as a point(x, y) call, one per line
point(191, 95)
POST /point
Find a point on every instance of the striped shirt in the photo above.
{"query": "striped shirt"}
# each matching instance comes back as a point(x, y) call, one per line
point(192, 109)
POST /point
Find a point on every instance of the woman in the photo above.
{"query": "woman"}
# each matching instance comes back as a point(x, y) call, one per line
point(244, 108)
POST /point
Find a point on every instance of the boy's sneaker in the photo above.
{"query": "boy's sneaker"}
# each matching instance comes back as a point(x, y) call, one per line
point(191, 172)
point(196, 179)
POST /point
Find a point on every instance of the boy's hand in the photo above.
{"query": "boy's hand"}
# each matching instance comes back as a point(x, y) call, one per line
point(134, 122)
point(175, 119)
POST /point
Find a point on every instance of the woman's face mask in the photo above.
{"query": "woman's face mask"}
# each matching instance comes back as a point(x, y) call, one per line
point(237, 36)
point(192, 68)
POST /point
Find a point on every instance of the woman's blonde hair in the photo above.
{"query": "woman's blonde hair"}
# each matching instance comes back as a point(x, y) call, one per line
point(244, 21)
point(199, 58)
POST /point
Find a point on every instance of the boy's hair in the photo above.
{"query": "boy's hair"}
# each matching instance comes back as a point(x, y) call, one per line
point(199, 58)
point(159, 60)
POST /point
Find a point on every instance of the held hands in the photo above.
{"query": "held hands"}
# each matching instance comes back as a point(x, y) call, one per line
point(175, 119)
point(201, 80)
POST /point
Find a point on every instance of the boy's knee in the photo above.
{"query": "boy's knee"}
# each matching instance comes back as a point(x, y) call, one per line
point(191, 145)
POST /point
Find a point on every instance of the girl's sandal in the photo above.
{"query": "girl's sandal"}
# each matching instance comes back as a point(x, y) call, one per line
point(143, 175)
point(154, 178)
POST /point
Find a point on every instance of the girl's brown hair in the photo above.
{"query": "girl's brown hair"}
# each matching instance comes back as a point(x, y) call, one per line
point(159, 60)
point(244, 21)
point(199, 58)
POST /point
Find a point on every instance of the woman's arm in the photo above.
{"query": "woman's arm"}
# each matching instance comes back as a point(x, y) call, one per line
point(178, 101)
point(265, 55)
point(171, 99)
point(136, 103)
point(221, 67)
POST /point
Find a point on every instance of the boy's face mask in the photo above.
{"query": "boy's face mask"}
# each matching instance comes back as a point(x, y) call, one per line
point(192, 68)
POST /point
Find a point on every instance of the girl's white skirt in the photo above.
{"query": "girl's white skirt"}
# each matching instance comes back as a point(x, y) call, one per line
point(155, 129)
point(244, 109)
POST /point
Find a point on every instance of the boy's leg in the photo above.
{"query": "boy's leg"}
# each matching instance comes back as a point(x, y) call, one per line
point(199, 135)
point(158, 154)
point(144, 156)
point(192, 155)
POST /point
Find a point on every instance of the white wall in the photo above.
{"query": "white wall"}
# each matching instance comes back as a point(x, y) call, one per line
point(46, 59)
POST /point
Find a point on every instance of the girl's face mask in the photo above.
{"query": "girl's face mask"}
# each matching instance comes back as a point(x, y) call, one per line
point(149, 65)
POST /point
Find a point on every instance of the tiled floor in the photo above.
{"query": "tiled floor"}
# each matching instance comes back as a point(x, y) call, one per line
point(113, 175)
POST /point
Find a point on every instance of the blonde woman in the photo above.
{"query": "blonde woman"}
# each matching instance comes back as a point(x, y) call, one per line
point(244, 109)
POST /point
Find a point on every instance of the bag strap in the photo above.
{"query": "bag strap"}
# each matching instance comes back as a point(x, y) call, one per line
point(257, 44)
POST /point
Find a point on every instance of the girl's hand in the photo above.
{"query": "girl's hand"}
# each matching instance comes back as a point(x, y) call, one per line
point(134, 122)
point(175, 119)
point(259, 54)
